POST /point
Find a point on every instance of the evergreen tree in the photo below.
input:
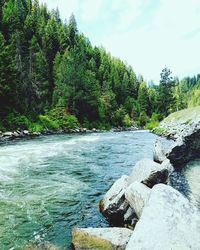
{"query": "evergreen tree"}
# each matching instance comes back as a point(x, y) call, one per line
point(7, 77)
point(166, 100)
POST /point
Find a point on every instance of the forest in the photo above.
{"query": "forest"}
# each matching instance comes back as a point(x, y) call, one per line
point(51, 77)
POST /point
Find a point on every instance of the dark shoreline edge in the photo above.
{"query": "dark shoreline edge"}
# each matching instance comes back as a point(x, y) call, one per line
point(25, 134)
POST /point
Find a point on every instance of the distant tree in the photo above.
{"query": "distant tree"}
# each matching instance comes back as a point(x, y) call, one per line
point(166, 99)
point(143, 98)
point(72, 30)
point(7, 76)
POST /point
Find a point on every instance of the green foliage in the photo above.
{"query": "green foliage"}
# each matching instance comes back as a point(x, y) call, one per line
point(127, 122)
point(62, 118)
point(153, 122)
point(46, 64)
point(166, 99)
point(47, 123)
point(118, 116)
point(35, 127)
point(159, 131)
point(143, 119)
point(17, 121)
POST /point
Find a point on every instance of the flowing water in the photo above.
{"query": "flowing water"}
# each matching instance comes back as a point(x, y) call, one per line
point(51, 184)
point(192, 175)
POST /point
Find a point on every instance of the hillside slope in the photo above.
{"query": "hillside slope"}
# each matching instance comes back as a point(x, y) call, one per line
point(179, 122)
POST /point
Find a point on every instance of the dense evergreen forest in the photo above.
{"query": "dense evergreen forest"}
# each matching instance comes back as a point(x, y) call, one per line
point(51, 77)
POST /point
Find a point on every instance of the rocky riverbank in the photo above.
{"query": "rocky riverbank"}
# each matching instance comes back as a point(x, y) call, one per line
point(180, 123)
point(156, 215)
point(19, 134)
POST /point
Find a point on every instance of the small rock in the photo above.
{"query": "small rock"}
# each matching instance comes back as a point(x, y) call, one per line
point(159, 154)
point(16, 134)
point(10, 134)
point(36, 133)
point(26, 132)
point(100, 238)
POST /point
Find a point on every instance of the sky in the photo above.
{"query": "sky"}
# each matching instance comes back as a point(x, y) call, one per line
point(146, 34)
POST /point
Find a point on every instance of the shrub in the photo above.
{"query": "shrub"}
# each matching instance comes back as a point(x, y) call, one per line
point(17, 121)
point(143, 119)
point(62, 119)
point(36, 127)
point(152, 124)
point(127, 122)
point(47, 122)
point(69, 121)
point(118, 117)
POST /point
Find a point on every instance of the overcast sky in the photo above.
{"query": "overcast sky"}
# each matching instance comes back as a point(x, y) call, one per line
point(147, 34)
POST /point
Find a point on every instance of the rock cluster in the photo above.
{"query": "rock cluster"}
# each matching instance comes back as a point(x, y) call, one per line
point(129, 194)
point(4, 136)
point(17, 134)
point(158, 215)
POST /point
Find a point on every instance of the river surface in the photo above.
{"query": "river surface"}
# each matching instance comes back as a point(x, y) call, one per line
point(51, 184)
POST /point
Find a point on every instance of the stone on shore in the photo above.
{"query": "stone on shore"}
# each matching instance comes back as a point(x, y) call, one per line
point(168, 222)
point(10, 134)
point(149, 172)
point(100, 238)
point(137, 196)
point(113, 206)
point(186, 148)
point(159, 154)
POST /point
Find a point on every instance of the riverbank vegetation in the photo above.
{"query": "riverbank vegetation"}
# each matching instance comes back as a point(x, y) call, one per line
point(51, 77)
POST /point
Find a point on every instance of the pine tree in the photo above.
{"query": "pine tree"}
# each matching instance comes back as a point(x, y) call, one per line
point(7, 77)
point(166, 99)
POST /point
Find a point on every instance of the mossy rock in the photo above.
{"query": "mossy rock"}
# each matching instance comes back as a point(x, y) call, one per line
point(100, 238)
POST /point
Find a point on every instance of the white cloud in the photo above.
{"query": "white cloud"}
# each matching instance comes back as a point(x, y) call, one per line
point(147, 34)
point(90, 9)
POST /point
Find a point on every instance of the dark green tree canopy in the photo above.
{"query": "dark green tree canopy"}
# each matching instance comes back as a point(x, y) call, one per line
point(48, 68)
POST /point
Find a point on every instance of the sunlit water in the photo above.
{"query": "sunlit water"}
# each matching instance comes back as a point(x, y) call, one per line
point(51, 184)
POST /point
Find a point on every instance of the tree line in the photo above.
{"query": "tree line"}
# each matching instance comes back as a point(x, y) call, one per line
point(52, 77)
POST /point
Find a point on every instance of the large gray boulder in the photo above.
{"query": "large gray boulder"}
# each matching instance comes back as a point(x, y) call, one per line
point(113, 205)
point(168, 222)
point(100, 238)
point(186, 148)
point(149, 173)
point(159, 154)
point(137, 195)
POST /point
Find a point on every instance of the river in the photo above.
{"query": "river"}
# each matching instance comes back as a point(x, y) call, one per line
point(51, 184)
